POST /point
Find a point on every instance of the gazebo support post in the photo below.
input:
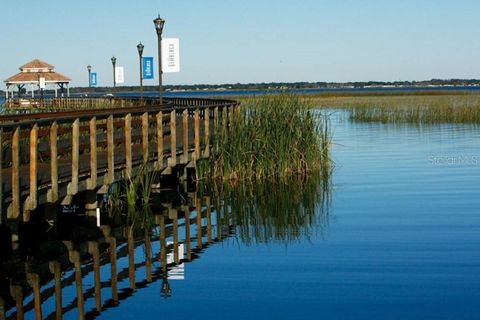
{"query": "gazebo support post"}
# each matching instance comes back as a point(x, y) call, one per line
point(68, 91)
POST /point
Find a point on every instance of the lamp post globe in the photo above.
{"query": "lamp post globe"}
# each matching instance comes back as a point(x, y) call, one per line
point(114, 61)
point(89, 69)
point(159, 23)
point(140, 47)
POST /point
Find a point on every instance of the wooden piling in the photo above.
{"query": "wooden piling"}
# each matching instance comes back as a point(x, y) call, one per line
point(52, 195)
point(92, 181)
point(128, 145)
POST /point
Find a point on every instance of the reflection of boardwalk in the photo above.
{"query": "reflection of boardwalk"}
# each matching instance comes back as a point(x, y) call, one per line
point(133, 259)
point(51, 157)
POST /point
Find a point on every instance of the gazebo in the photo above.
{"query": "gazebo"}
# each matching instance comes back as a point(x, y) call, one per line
point(38, 74)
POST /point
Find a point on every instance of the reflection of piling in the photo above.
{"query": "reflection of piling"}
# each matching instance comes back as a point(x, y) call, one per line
point(163, 245)
point(198, 208)
point(2, 309)
point(17, 294)
point(55, 268)
point(93, 250)
point(131, 257)
point(34, 282)
point(173, 214)
point(209, 219)
point(148, 256)
point(186, 211)
point(75, 259)
point(113, 261)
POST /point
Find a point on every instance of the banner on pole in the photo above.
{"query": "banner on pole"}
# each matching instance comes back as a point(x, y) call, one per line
point(119, 75)
point(147, 68)
point(41, 83)
point(93, 79)
point(170, 55)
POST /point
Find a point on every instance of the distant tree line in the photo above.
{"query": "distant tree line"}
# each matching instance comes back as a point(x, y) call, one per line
point(282, 85)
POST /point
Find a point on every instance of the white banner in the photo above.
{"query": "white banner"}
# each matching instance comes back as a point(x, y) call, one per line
point(171, 55)
point(41, 83)
point(119, 75)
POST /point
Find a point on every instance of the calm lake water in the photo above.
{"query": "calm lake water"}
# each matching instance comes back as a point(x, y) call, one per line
point(398, 238)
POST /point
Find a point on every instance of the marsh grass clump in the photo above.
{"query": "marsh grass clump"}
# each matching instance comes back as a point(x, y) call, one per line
point(417, 109)
point(131, 197)
point(274, 136)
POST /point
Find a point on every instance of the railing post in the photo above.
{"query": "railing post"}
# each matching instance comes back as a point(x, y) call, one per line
point(73, 185)
point(128, 145)
point(185, 135)
point(92, 181)
point(145, 137)
point(131, 257)
point(197, 133)
point(173, 139)
point(110, 151)
point(31, 202)
point(215, 117)
point(15, 206)
point(52, 194)
point(206, 133)
point(159, 140)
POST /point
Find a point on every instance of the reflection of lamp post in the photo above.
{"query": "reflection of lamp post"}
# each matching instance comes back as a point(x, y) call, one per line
point(140, 47)
point(114, 60)
point(89, 68)
point(159, 22)
point(166, 292)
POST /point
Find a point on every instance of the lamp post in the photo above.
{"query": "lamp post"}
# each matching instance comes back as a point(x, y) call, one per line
point(114, 60)
point(89, 68)
point(159, 22)
point(140, 47)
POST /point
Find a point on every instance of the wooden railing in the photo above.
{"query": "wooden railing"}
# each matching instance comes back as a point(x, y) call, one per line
point(51, 157)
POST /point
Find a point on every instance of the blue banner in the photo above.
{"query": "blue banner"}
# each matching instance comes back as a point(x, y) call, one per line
point(147, 68)
point(93, 79)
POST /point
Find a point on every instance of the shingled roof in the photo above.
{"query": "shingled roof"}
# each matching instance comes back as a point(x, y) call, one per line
point(32, 71)
point(37, 64)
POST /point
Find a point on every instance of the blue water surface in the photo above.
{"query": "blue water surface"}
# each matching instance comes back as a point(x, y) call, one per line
point(402, 241)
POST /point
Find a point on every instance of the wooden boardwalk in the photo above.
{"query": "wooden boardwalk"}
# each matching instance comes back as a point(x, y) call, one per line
point(51, 157)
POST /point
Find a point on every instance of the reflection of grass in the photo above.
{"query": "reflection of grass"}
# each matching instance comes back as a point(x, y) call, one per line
point(274, 136)
point(285, 211)
point(456, 108)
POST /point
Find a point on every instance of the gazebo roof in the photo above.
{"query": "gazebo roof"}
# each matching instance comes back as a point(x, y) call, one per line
point(32, 71)
point(37, 64)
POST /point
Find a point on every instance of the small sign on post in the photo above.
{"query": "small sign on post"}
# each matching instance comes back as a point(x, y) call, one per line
point(170, 55)
point(119, 75)
point(93, 79)
point(147, 68)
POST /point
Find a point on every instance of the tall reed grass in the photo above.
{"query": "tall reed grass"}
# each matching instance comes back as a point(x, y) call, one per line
point(274, 136)
point(409, 109)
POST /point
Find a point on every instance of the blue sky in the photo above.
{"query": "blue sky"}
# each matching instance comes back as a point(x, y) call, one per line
point(225, 41)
